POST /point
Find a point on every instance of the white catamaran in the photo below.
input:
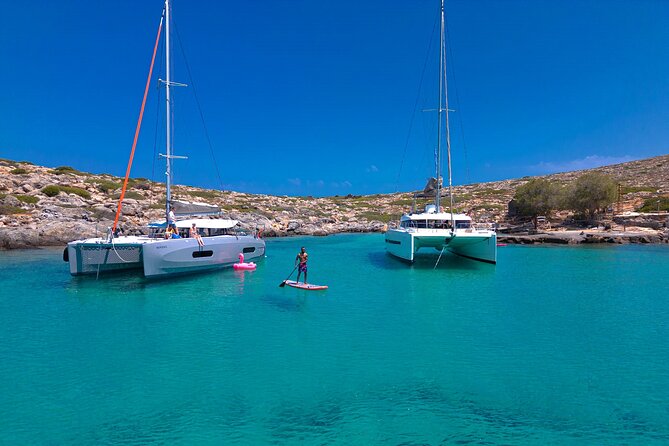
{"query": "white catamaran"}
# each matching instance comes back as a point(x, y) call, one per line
point(222, 240)
point(434, 230)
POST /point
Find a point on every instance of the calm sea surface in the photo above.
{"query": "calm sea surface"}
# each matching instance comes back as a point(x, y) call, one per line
point(553, 345)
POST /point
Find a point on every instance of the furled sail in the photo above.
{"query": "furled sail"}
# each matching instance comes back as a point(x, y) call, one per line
point(194, 208)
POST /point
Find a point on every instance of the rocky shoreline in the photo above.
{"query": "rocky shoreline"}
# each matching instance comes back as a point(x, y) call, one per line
point(43, 206)
point(25, 235)
point(590, 237)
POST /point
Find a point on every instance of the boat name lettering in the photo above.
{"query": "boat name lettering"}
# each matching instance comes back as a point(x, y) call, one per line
point(117, 248)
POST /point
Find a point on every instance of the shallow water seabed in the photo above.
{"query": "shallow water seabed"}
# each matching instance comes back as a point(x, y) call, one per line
point(551, 345)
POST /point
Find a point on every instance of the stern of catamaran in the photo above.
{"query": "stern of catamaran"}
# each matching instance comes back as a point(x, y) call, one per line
point(97, 255)
point(475, 244)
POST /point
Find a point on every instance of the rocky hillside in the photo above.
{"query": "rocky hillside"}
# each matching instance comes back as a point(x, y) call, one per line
point(49, 206)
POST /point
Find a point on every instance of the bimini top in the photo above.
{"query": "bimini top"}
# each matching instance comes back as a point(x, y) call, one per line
point(203, 223)
point(431, 213)
point(435, 216)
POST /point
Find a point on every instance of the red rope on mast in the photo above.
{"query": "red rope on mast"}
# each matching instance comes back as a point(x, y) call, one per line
point(139, 125)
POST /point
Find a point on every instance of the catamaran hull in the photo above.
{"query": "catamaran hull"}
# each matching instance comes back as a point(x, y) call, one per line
point(183, 256)
point(481, 246)
point(156, 257)
point(95, 258)
point(469, 243)
point(400, 244)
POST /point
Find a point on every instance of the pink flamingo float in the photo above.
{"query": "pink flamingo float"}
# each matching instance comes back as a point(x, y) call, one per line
point(243, 266)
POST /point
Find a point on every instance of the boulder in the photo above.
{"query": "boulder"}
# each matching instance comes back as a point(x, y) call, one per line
point(100, 212)
point(431, 186)
point(71, 200)
point(15, 238)
point(376, 226)
point(10, 200)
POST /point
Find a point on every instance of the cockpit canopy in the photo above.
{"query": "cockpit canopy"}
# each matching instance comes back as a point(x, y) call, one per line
point(432, 219)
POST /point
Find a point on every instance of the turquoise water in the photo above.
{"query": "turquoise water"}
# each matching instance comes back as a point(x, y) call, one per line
point(553, 345)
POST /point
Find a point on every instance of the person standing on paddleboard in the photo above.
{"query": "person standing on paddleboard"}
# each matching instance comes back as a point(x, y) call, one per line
point(302, 265)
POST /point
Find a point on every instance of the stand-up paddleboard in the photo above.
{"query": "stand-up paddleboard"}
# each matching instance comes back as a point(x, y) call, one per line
point(302, 286)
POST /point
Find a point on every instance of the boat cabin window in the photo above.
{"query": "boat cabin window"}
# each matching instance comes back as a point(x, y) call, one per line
point(439, 224)
point(429, 224)
point(463, 224)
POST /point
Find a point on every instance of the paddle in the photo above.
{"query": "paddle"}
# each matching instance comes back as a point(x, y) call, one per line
point(291, 273)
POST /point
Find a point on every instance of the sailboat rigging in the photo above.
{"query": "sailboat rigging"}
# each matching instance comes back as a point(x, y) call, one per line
point(434, 230)
point(198, 245)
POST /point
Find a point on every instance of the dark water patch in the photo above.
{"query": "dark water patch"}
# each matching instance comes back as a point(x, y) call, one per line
point(450, 262)
point(136, 429)
point(291, 302)
point(383, 260)
point(292, 422)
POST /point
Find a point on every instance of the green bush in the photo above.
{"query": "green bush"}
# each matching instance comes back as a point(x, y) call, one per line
point(371, 216)
point(402, 202)
point(30, 199)
point(107, 186)
point(6, 162)
point(104, 185)
point(590, 193)
point(651, 204)
point(83, 193)
point(134, 181)
point(61, 170)
point(8, 210)
point(632, 189)
point(18, 171)
point(51, 190)
point(490, 191)
point(537, 197)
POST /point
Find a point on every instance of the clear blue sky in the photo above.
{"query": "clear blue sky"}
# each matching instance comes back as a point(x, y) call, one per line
point(307, 97)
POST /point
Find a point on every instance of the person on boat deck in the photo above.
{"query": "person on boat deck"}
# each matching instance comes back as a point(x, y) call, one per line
point(302, 265)
point(196, 235)
point(172, 232)
point(171, 220)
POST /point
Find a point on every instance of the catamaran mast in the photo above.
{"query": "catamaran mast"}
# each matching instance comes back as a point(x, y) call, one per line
point(440, 109)
point(443, 92)
point(168, 112)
